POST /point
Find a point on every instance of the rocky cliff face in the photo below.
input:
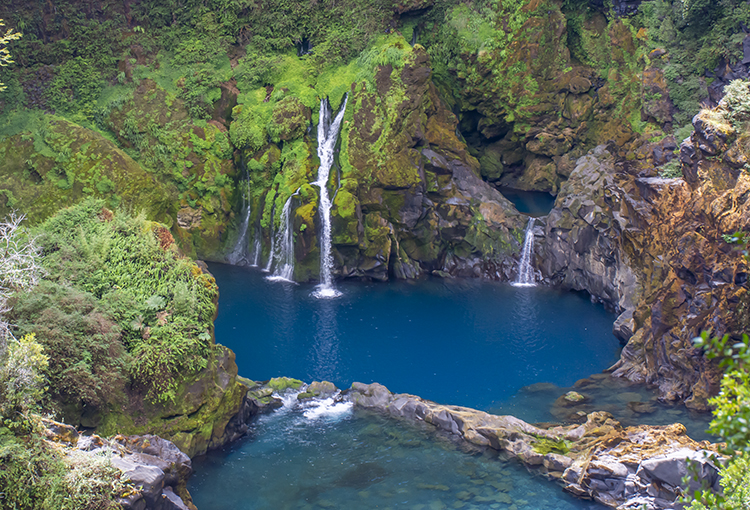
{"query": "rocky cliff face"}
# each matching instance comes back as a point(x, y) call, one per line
point(408, 198)
point(655, 250)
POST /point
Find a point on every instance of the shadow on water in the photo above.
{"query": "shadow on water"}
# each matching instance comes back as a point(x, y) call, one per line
point(532, 203)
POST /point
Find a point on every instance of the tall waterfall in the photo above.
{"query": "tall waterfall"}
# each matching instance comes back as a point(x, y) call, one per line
point(328, 132)
point(525, 276)
point(240, 251)
point(284, 246)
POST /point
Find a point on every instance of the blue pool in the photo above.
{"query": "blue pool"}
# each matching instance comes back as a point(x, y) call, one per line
point(473, 343)
point(465, 342)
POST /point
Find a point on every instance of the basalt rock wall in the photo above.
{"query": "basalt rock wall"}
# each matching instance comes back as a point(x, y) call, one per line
point(656, 251)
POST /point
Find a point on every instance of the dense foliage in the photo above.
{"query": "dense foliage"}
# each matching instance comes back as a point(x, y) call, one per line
point(118, 305)
point(731, 422)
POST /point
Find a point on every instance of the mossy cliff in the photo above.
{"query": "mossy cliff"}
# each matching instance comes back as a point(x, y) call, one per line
point(193, 104)
point(407, 194)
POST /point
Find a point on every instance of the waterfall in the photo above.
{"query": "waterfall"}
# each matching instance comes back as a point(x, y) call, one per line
point(284, 246)
point(525, 276)
point(328, 132)
point(256, 250)
point(239, 252)
point(273, 245)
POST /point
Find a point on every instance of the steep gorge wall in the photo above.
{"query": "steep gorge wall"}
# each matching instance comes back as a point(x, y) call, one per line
point(655, 250)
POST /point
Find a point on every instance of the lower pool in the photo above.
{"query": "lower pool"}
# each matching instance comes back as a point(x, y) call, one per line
point(322, 456)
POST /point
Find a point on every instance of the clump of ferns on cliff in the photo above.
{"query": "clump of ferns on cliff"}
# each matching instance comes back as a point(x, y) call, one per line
point(119, 309)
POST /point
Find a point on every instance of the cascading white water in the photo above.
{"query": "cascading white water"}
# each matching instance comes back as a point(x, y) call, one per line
point(272, 251)
point(525, 276)
point(240, 253)
point(256, 251)
point(284, 245)
point(328, 132)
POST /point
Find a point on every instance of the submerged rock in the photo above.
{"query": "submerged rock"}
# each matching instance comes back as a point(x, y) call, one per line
point(619, 467)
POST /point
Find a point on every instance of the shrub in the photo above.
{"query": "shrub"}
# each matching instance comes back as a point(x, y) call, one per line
point(88, 364)
point(731, 422)
point(117, 303)
point(736, 102)
point(21, 378)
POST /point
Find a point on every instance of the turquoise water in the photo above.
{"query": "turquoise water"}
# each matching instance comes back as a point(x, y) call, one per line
point(465, 342)
point(336, 458)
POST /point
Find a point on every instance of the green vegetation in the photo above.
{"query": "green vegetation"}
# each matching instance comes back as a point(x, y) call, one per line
point(697, 36)
point(5, 58)
point(671, 170)
point(731, 419)
point(118, 304)
point(37, 476)
point(544, 445)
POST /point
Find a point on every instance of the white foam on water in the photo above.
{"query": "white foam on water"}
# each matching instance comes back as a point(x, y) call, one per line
point(323, 292)
point(328, 410)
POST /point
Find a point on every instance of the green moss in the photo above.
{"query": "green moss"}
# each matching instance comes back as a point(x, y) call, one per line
point(543, 446)
point(281, 384)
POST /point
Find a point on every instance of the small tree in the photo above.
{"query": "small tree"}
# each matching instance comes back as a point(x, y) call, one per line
point(5, 57)
point(19, 269)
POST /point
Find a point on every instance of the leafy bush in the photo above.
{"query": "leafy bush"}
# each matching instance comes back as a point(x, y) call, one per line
point(731, 422)
point(114, 287)
point(88, 364)
point(736, 102)
point(75, 88)
point(671, 170)
point(21, 378)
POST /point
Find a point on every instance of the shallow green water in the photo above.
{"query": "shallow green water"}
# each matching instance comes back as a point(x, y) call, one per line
point(331, 457)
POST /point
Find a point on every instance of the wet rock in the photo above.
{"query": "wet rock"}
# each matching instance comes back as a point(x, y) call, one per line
point(369, 395)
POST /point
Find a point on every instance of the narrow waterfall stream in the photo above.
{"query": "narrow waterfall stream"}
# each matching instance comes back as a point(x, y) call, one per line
point(240, 251)
point(284, 246)
point(525, 276)
point(328, 132)
point(256, 250)
point(271, 252)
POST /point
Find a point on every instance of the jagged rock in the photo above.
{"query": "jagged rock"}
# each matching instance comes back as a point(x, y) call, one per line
point(155, 468)
point(581, 249)
point(147, 480)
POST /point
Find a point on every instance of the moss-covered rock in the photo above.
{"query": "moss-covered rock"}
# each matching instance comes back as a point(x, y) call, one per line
point(52, 163)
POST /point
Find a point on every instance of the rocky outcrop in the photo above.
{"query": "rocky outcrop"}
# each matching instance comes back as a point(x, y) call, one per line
point(655, 250)
point(624, 468)
point(582, 246)
point(203, 416)
point(152, 472)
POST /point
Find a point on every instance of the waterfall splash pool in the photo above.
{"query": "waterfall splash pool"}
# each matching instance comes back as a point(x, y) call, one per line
point(473, 343)
point(466, 342)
